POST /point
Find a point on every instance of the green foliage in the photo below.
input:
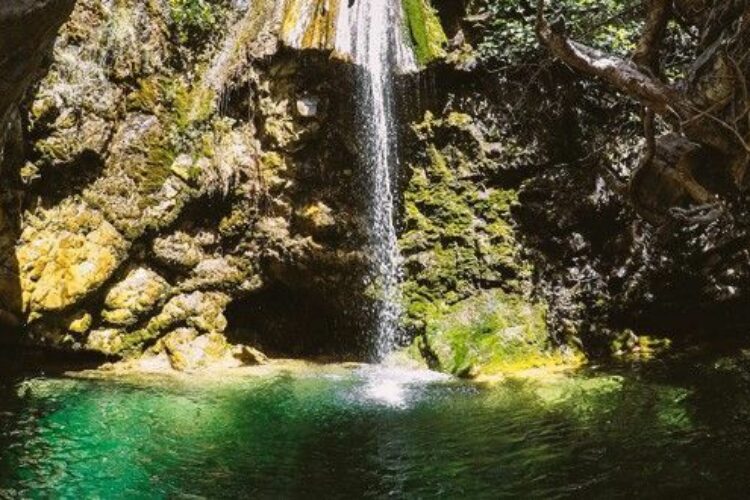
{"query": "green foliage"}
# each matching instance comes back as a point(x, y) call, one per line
point(194, 19)
point(610, 25)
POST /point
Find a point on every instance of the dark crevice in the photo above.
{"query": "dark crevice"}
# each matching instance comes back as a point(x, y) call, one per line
point(284, 322)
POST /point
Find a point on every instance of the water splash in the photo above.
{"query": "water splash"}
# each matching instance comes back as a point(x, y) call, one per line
point(393, 386)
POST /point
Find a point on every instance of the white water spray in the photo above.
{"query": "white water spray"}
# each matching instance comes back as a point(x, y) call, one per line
point(371, 31)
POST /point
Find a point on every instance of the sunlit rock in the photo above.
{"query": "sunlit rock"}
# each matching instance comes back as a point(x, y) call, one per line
point(65, 255)
point(134, 296)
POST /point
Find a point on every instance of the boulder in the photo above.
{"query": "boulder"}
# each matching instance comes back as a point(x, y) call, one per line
point(178, 251)
point(138, 294)
point(65, 255)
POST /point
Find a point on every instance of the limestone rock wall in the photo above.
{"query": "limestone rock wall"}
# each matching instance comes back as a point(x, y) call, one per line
point(184, 176)
point(173, 158)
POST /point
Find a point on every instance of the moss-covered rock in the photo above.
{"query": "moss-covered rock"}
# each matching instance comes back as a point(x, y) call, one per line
point(490, 332)
point(466, 284)
point(426, 30)
point(458, 233)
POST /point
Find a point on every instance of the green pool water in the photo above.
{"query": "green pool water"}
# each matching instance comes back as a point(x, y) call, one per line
point(660, 431)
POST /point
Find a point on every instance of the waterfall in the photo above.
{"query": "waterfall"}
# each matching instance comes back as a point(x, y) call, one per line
point(373, 34)
point(371, 31)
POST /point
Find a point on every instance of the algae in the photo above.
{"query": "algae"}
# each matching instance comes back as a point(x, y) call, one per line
point(426, 31)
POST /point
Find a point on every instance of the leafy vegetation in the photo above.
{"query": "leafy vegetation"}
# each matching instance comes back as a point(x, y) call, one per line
point(611, 25)
point(194, 19)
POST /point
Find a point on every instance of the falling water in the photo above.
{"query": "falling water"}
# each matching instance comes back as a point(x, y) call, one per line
point(370, 30)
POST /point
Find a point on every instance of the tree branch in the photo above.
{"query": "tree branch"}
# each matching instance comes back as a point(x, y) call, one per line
point(646, 54)
point(624, 75)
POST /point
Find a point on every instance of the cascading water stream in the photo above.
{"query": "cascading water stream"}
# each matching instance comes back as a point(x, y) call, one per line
point(373, 34)
point(375, 41)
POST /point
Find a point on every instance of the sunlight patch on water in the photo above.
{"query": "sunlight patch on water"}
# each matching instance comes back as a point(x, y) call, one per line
point(395, 387)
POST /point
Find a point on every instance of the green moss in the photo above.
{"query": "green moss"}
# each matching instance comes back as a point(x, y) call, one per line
point(627, 345)
point(182, 110)
point(458, 233)
point(465, 286)
point(426, 31)
point(149, 96)
point(174, 100)
point(491, 332)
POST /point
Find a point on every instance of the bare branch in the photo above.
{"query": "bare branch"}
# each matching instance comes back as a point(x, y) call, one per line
point(624, 75)
point(646, 54)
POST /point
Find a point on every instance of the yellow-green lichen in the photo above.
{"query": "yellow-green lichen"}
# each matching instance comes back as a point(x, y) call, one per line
point(491, 332)
point(426, 30)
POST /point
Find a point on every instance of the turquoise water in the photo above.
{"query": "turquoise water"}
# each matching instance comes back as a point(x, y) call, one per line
point(348, 433)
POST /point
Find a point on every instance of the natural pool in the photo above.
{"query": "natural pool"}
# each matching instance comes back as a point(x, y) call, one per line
point(336, 432)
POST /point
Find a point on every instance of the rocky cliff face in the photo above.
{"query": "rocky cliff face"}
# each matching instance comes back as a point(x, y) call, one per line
point(168, 168)
point(178, 159)
point(27, 32)
point(182, 179)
